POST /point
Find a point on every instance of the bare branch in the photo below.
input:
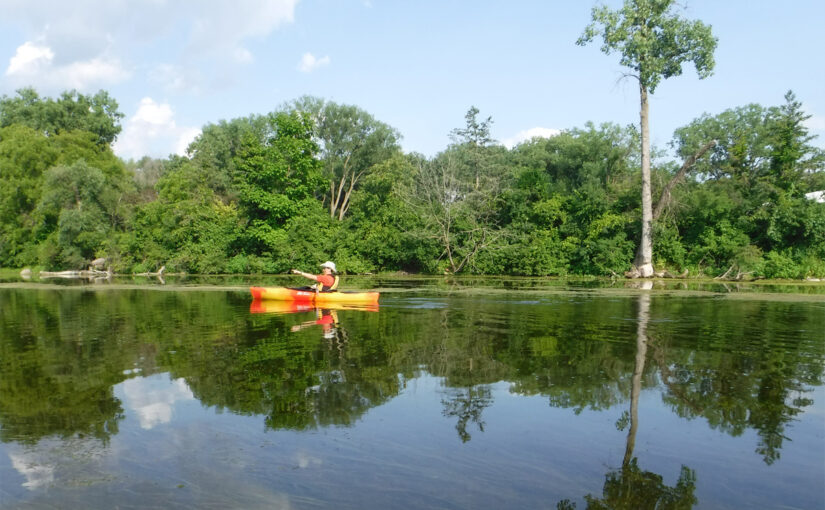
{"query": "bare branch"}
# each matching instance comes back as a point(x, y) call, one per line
point(664, 199)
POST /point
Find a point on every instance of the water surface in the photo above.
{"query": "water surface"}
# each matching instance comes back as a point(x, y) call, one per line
point(453, 394)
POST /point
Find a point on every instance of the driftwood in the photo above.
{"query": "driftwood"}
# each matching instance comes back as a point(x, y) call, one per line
point(740, 275)
point(90, 273)
point(634, 273)
point(159, 273)
point(668, 274)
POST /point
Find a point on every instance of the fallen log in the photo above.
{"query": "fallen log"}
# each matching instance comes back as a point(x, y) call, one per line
point(159, 273)
point(74, 274)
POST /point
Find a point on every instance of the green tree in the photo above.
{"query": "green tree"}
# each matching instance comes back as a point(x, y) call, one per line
point(72, 111)
point(351, 142)
point(187, 228)
point(29, 204)
point(654, 42)
point(569, 201)
point(276, 178)
point(377, 229)
point(792, 157)
point(25, 155)
point(213, 152)
point(476, 139)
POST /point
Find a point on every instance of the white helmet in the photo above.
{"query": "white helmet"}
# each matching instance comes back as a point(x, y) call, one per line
point(330, 265)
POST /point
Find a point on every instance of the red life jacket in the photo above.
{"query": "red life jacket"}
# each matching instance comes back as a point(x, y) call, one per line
point(331, 288)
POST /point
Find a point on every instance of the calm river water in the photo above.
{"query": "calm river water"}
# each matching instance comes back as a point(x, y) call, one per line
point(451, 395)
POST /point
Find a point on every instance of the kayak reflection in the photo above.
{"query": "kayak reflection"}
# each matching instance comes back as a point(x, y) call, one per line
point(265, 306)
point(326, 317)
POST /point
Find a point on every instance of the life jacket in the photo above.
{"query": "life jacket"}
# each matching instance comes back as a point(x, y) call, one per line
point(333, 288)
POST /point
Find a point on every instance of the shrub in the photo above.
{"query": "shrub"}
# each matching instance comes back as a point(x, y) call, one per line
point(781, 265)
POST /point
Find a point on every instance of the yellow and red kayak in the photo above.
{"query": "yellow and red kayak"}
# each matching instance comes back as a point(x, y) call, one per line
point(316, 298)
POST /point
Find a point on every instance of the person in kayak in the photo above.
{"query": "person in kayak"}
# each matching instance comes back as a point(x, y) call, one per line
point(327, 280)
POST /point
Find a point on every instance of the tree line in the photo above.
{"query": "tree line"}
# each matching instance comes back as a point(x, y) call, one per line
point(316, 180)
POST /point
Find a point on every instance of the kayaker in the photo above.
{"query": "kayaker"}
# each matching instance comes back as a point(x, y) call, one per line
point(327, 281)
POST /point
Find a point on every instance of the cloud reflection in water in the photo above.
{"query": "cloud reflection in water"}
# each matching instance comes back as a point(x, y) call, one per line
point(153, 398)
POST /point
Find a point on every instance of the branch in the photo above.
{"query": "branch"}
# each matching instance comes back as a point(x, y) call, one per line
point(664, 199)
point(723, 276)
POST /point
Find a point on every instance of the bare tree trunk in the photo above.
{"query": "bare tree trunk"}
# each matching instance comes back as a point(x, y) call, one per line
point(345, 202)
point(332, 199)
point(644, 254)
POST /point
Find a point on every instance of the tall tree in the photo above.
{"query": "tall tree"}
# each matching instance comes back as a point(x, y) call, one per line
point(476, 138)
point(653, 42)
point(351, 143)
point(793, 160)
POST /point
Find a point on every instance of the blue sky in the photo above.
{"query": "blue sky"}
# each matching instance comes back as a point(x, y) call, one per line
point(176, 65)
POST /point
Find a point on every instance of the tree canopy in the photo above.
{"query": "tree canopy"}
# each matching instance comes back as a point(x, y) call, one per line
point(315, 180)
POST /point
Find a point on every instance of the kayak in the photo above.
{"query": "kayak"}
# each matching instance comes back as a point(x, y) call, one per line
point(317, 298)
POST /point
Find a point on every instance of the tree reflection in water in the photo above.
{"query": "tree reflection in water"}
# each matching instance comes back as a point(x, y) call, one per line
point(467, 405)
point(737, 365)
point(629, 487)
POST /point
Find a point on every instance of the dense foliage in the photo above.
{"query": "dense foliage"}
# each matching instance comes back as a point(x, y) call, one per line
point(315, 180)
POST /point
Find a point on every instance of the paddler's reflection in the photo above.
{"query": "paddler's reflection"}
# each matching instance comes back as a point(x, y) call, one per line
point(328, 319)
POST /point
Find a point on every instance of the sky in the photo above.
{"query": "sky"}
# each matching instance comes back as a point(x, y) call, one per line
point(174, 66)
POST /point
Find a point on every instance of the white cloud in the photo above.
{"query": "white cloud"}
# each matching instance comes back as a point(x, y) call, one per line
point(529, 134)
point(88, 44)
point(153, 131)
point(154, 115)
point(816, 196)
point(222, 24)
point(36, 63)
point(29, 58)
point(85, 74)
point(310, 63)
point(185, 137)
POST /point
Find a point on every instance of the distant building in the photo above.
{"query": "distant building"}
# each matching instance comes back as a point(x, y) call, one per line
point(816, 196)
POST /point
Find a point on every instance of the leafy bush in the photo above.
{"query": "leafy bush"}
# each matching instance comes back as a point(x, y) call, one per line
point(668, 249)
point(781, 265)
